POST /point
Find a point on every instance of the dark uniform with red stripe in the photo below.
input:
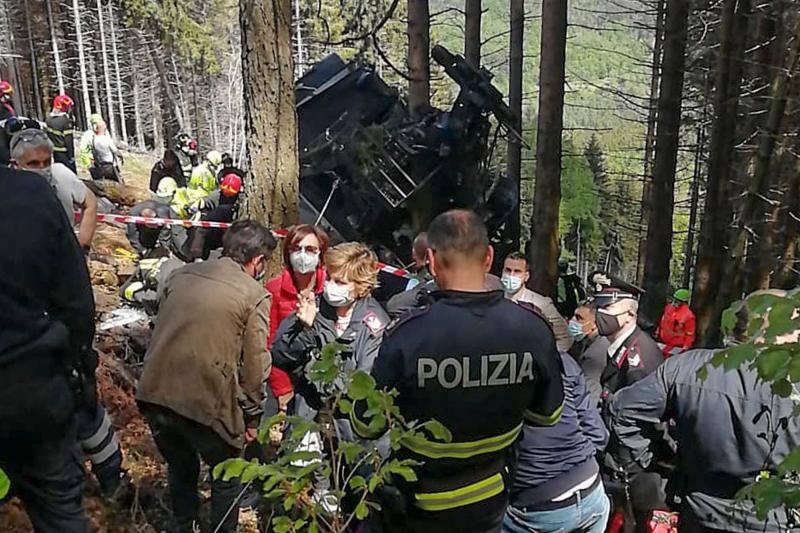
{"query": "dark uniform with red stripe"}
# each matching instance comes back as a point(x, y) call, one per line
point(480, 365)
point(635, 359)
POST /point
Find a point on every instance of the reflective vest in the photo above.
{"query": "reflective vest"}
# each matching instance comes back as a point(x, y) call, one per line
point(203, 179)
point(187, 202)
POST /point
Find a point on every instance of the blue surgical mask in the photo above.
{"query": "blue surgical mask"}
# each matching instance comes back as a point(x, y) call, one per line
point(511, 284)
point(575, 330)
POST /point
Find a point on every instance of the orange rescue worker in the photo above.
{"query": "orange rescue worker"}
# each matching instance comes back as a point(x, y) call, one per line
point(677, 327)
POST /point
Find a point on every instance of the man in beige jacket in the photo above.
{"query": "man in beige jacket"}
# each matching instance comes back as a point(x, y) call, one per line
point(201, 388)
point(515, 276)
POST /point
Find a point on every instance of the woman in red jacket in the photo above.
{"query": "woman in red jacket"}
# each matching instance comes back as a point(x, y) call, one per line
point(303, 247)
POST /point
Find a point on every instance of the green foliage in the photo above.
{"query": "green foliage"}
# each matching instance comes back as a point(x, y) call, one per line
point(356, 469)
point(772, 349)
point(186, 28)
point(580, 204)
point(5, 484)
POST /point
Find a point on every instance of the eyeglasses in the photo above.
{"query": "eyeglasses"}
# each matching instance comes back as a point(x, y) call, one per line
point(28, 135)
point(307, 249)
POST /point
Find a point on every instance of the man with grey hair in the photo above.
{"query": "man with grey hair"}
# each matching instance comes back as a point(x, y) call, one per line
point(32, 150)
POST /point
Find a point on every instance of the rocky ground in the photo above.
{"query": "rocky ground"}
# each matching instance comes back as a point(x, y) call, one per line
point(121, 350)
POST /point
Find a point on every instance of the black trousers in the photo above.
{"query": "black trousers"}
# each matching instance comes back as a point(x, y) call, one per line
point(183, 443)
point(48, 477)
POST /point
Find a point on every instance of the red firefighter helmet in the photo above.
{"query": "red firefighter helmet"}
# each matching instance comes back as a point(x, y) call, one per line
point(5, 87)
point(230, 185)
point(62, 102)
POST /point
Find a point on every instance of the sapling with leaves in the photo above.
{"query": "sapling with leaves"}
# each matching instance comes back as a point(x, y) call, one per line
point(766, 326)
point(359, 471)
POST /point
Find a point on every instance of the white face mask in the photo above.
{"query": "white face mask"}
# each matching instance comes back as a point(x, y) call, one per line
point(337, 295)
point(511, 284)
point(303, 262)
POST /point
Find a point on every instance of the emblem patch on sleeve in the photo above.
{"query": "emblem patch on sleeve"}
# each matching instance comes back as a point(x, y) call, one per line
point(373, 323)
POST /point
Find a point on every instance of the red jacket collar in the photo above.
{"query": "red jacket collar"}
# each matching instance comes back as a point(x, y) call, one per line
point(287, 281)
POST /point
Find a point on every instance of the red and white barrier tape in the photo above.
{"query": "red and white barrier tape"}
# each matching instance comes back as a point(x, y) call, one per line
point(152, 221)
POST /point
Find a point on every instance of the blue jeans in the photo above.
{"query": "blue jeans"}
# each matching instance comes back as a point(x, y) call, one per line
point(588, 515)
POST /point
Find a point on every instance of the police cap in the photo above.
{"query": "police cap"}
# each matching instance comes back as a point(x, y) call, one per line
point(609, 289)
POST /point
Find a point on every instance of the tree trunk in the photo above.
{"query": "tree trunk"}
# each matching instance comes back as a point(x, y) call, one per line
point(419, 42)
point(54, 41)
point(547, 194)
point(121, 102)
point(87, 106)
point(137, 114)
point(711, 251)
point(472, 32)
point(759, 184)
point(270, 115)
point(37, 94)
point(95, 84)
point(650, 140)
point(688, 261)
point(659, 225)
point(514, 157)
point(173, 121)
point(158, 140)
point(112, 127)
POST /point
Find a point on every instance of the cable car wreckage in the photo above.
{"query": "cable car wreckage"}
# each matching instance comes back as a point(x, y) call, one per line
point(372, 171)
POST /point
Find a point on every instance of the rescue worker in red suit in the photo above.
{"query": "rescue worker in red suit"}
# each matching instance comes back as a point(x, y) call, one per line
point(303, 247)
point(677, 327)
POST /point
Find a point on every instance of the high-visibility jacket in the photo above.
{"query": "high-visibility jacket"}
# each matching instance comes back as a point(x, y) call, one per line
point(203, 179)
point(85, 155)
point(677, 328)
point(482, 366)
point(187, 202)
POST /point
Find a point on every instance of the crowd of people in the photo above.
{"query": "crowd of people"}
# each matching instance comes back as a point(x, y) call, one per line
point(562, 418)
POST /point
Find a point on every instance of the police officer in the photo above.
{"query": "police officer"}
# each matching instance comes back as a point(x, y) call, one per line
point(632, 354)
point(480, 365)
point(729, 428)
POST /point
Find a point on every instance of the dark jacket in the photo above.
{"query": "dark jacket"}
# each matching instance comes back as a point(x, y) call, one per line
point(592, 356)
point(724, 426)
point(638, 356)
point(554, 459)
point(46, 302)
point(160, 170)
point(60, 129)
point(479, 364)
point(143, 238)
point(296, 347)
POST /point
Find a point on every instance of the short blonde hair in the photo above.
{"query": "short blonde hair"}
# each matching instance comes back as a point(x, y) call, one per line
point(356, 263)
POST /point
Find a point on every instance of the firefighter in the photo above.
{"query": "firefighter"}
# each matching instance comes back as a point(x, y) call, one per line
point(186, 150)
point(677, 327)
point(204, 175)
point(480, 365)
point(6, 109)
point(60, 128)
